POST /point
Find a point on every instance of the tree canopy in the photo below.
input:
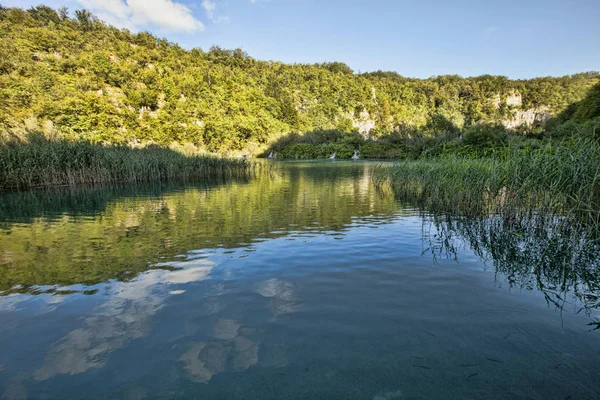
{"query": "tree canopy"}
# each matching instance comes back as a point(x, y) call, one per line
point(88, 80)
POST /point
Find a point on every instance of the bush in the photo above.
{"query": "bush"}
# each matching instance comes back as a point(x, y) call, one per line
point(483, 136)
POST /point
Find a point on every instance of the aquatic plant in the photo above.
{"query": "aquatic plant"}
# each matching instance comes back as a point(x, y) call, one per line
point(558, 178)
point(44, 162)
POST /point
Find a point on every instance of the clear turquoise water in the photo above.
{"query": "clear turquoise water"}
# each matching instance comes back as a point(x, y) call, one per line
point(309, 284)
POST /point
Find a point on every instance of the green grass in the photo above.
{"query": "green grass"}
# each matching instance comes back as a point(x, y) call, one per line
point(43, 162)
point(560, 178)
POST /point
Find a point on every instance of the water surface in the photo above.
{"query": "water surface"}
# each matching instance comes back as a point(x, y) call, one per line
point(311, 283)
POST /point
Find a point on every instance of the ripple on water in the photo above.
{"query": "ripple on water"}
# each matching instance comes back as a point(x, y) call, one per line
point(309, 284)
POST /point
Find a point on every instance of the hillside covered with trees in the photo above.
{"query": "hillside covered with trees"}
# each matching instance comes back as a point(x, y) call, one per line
point(77, 77)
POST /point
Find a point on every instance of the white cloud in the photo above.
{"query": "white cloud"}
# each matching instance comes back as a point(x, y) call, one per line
point(209, 7)
point(135, 14)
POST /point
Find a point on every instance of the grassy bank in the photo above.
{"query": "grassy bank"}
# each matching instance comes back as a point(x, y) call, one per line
point(44, 162)
point(561, 177)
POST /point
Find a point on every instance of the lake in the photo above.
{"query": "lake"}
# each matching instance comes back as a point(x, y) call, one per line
point(306, 283)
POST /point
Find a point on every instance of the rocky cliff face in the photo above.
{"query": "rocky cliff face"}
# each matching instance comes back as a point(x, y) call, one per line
point(531, 117)
point(364, 123)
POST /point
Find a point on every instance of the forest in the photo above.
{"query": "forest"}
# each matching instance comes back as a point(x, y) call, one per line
point(79, 79)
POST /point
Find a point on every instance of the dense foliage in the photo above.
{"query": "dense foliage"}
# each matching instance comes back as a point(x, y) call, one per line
point(579, 120)
point(487, 171)
point(80, 78)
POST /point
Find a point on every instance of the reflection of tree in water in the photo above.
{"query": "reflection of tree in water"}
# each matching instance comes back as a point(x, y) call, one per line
point(535, 252)
point(125, 232)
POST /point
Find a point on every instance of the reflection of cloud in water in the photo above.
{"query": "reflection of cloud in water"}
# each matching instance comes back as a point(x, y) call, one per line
point(48, 302)
point(15, 391)
point(232, 351)
point(282, 294)
point(125, 316)
point(226, 329)
point(245, 353)
point(204, 360)
point(9, 303)
point(212, 305)
point(191, 271)
point(276, 288)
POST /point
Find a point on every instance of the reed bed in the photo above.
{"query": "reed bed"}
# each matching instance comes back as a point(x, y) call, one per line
point(556, 178)
point(26, 165)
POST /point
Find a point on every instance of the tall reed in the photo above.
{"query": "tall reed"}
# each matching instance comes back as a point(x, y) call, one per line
point(43, 162)
point(558, 177)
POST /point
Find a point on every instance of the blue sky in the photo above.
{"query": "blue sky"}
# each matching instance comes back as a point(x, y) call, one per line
point(518, 39)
